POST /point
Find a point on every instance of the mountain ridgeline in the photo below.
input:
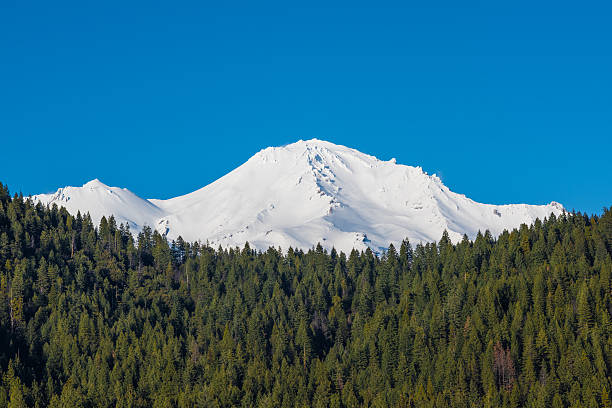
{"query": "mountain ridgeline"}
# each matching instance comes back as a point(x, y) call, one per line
point(303, 193)
point(91, 316)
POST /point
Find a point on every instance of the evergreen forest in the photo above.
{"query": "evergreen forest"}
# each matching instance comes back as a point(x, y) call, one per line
point(93, 316)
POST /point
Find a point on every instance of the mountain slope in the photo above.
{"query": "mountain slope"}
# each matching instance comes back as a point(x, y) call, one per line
point(308, 192)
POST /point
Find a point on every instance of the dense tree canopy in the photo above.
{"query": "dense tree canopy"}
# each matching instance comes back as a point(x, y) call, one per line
point(91, 317)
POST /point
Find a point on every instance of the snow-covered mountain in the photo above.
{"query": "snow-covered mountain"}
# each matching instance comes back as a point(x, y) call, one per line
point(304, 193)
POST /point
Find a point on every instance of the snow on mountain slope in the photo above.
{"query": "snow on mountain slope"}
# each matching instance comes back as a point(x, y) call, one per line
point(308, 192)
point(101, 200)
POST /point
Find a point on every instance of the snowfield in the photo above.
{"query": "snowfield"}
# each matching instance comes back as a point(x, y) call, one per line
point(306, 193)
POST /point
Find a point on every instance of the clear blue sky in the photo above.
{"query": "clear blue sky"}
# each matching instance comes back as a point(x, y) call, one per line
point(506, 101)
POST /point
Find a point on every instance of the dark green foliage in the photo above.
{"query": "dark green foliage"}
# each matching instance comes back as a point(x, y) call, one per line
point(91, 317)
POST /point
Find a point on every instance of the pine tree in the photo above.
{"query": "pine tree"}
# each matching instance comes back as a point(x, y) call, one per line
point(585, 315)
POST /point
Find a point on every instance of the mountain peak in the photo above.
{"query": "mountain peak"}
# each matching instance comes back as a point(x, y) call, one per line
point(95, 183)
point(98, 199)
point(314, 142)
point(315, 153)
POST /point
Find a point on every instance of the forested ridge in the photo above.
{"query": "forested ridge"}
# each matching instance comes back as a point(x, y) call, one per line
point(91, 317)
